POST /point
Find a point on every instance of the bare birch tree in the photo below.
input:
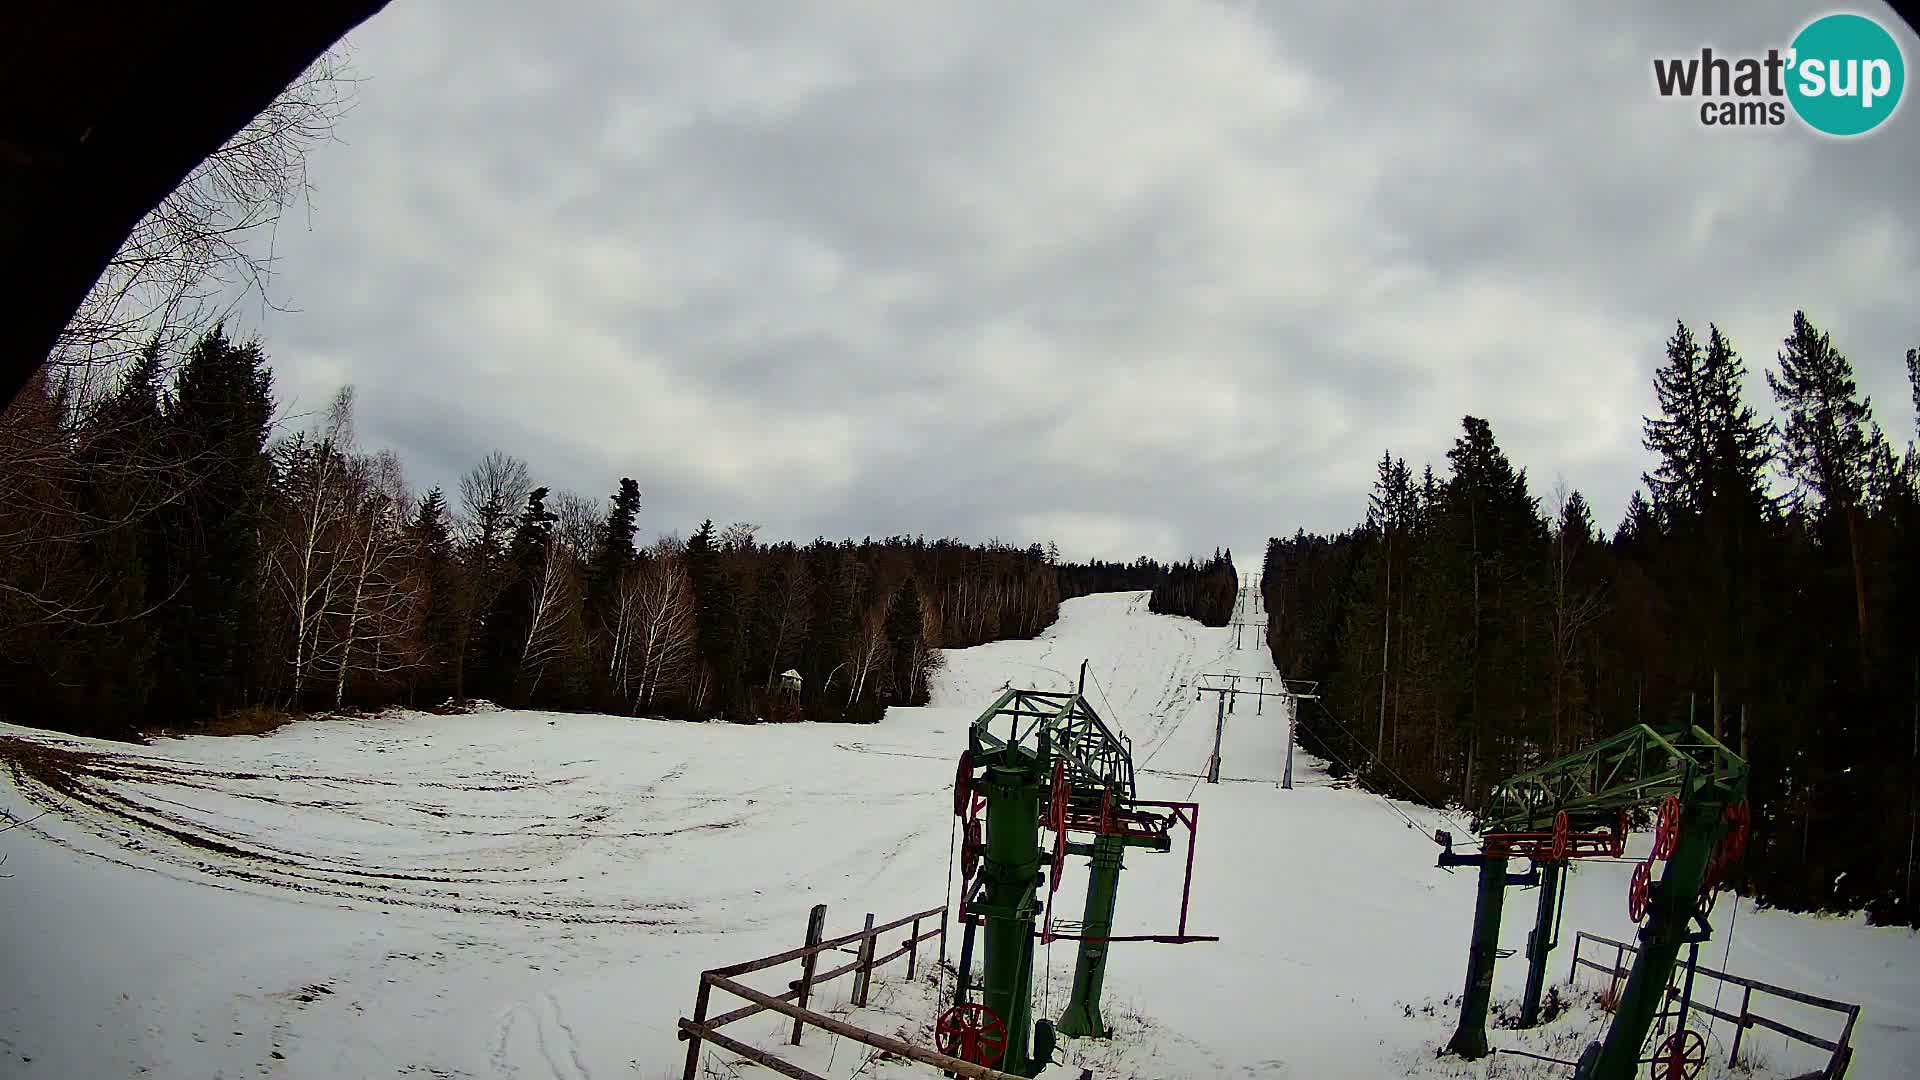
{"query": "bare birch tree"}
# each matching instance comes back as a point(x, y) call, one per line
point(664, 632)
point(555, 595)
point(868, 651)
point(209, 244)
point(304, 559)
point(380, 596)
point(579, 522)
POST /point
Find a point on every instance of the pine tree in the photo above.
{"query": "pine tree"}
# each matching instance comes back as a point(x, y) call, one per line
point(510, 622)
point(129, 466)
point(1640, 526)
point(432, 540)
point(607, 565)
point(616, 550)
point(1492, 530)
point(1737, 445)
point(1679, 484)
point(905, 635)
point(1830, 444)
point(219, 418)
point(717, 616)
point(1913, 377)
point(1710, 492)
point(829, 632)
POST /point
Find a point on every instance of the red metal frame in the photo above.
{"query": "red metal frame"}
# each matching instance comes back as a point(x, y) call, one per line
point(1558, 844)
point(1131, 822)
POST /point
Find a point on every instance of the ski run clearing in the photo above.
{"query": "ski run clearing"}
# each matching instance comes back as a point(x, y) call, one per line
point(518, 894)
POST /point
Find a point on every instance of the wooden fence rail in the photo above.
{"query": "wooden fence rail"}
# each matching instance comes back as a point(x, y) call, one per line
point(701, 1028)
point(1840, 1049)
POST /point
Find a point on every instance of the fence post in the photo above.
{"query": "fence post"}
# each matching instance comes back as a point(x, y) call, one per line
point(913, 949)
point(816, 925)
point(693, 1040)
point(1740, 1031)
point(1843, 1054)
point(1613, 977)
point(863, 976)
point(1574, 968)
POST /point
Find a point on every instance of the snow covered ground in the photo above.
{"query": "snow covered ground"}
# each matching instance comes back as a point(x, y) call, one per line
point(511, 894)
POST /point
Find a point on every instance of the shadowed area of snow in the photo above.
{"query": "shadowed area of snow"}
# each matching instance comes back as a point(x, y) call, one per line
point(527, 894)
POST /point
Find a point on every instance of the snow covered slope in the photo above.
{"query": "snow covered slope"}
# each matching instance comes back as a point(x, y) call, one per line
point(525, 894)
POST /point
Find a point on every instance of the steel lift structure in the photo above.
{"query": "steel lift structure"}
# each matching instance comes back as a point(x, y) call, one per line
point(1577, 807)
point(1037, 763)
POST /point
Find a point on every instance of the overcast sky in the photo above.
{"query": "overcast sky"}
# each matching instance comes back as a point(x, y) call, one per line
point(1134, 277)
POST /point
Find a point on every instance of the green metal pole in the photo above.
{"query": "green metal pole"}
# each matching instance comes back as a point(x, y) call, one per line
point(1082, 1018)
point(1540, 942)
point(1470, 1038)
point(1012, 870)
point(1668, 913)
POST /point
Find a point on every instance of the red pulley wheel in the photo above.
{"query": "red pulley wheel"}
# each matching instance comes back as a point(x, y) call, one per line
point(970, 849)
point(963, 784)
point(1639, 892)
point(1666, 833)
point(1562, 831)
point(1739, 818)
point(1681, 1056)
point(1057, 820)
point(971, 1032)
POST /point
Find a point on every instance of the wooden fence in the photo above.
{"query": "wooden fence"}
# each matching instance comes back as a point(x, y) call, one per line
point(1840, 1049)
point(701, 1028)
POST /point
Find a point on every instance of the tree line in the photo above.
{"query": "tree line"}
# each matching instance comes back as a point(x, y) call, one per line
point(1096, 576)
point(1205, 591)
point(166, 558)
point(1463, 631)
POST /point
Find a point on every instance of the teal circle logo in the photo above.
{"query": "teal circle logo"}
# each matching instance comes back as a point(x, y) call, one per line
point(1846, 74)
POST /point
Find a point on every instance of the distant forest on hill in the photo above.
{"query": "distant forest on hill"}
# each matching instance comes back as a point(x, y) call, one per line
point(167, 560)
point(1464, 631)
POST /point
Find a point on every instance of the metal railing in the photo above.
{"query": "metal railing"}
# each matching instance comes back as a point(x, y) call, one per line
point(700, 1028)
point(1840, 1049)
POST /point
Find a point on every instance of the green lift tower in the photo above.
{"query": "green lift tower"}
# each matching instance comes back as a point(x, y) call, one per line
point(1043, 765)
point(1577, 807)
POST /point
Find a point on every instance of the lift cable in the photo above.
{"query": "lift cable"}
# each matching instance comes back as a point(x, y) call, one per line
point(940, 982)
point(1733, 920)
point(1389, 803)
point(1378, 760)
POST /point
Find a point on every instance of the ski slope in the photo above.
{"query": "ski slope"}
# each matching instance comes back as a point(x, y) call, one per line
point(518, 894)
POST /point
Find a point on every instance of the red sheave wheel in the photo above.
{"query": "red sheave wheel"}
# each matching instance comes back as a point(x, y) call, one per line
point(970, 848)
point(1666, 833)
point(1562, 829)
point(1681, 1056)
point(1057, 819)
point(971, 1032)
point(1739, 820)
point(1639, 892)
point(963, 784)
point(1057, 797)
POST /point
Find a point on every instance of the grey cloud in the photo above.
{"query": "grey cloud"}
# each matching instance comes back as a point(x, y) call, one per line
point(1157, 276)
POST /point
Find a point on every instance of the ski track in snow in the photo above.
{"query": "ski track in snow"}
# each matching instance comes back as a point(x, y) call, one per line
point(520, 894)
